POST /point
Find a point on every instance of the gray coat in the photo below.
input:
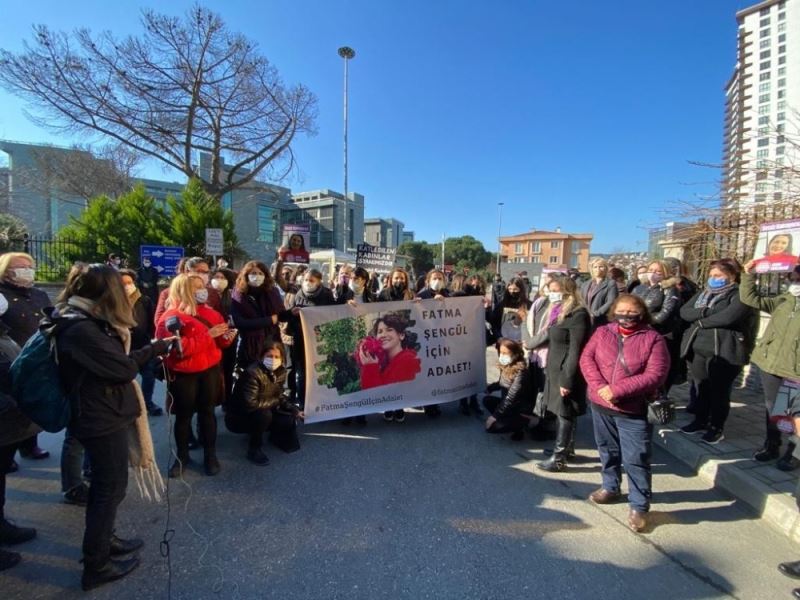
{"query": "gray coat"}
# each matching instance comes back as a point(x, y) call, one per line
point(600, 302)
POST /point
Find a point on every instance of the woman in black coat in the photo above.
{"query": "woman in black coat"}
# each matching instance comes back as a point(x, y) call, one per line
point(95, 363)
point(513, 409)
point(717, 344)
point(511, 311)
point(564, 388)
point(599, 293)
point(258, 403)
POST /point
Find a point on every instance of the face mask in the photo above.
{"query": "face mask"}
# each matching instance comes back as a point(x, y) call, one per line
point(255, 280)
point(717, 282)
point(223, 264)
point(3, 305)
point(643, 277)
point(655, 278)
point(794, 290)
point(436, 284)
point(146, 263)
point(116, 262)
point(399, 287)
point(201, 296)
point(628, 321)
point(344, 279)
point(355, 286)
point(504, 360)
point(24, 276)
point(555, 297)
point(271, 363)
point(310, 288)
point(219, 284)
point(130, 289)
point(514, 294)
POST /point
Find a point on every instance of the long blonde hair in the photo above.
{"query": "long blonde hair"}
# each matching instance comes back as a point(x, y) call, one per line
point(571, 300)
point(5, 260)
point(181, 294)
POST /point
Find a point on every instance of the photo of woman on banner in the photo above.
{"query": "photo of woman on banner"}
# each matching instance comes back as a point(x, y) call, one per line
point(775, 249)
point(394, 359)
point(294, 247)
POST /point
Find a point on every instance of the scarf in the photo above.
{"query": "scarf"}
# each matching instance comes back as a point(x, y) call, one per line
point(141, 454)
point(709, 297)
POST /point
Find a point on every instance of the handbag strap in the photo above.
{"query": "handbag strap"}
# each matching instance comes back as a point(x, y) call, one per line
point(621, 354)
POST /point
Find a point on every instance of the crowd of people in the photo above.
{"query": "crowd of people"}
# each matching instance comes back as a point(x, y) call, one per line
point(235, 339)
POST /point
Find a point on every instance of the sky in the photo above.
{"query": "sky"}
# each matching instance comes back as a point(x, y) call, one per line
point(582, 115)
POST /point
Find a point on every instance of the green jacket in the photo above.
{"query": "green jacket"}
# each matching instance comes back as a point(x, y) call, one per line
point(777, 351)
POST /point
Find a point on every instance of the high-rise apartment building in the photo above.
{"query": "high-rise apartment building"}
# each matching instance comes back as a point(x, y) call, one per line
point(762, 110)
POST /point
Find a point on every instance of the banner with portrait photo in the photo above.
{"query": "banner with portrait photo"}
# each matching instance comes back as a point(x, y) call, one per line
point(295, 244)
point(777, 247)
point(381, 356)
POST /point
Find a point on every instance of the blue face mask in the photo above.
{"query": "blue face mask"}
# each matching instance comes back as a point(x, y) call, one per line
point(717, 282)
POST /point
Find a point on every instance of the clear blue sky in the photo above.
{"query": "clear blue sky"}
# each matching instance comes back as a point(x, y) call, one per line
point(581, 114)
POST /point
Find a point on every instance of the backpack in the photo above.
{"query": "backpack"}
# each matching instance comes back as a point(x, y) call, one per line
point(36, 384)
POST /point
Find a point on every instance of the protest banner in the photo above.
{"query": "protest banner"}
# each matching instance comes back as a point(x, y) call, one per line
point(375, 259)
point(777, 246)
point(295, 244)
point(375, 357)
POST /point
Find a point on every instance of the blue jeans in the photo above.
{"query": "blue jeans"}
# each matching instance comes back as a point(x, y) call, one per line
point(625, 442)
point(73, 459)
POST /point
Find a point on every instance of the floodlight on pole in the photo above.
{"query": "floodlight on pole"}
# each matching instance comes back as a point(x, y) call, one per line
point(346, 53)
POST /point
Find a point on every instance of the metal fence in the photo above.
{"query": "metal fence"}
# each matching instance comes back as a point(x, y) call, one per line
point(53, 256)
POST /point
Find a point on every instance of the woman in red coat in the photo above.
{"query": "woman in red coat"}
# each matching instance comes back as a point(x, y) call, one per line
point(195, 377)
point(625, 362)
point(399, 360)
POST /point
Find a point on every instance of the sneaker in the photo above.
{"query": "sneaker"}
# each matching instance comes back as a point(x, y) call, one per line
point(693, 427)
point(400, 415)
point(714, 435)
point(257, 457)
point(767, 452)
point(8, 559)
point(78, 496)
point(388, 416)
point(787, 462)
point(10, 534)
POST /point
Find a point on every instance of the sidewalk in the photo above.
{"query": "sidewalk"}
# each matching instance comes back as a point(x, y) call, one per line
point(729, 466)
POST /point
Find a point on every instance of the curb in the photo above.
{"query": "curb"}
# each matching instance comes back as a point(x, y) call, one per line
point(779, 510)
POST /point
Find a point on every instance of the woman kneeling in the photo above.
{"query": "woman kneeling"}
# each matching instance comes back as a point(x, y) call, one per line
point(510, 412)
point(259, 405)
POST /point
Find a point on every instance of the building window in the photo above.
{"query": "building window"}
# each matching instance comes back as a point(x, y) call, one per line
point(764, 65)
point(268, 225)
point(517, 248)
point(761, 187)
point(763, 87)
point(763, 120)
point(536, 259)
point(761, 197)
point(764, 44)
point(781, 116)
point(781, 38)
point(763, 130)
point(761, 176)
point(782, 105)
point(763, 142)
point(779, 150)
point(763, 110)
point(764, 11)
point(779, 162)
point(764, 32)
point(782, 82)
point(781, 27)
point(781, 94)
point(764, 76)
point(782, 60)
point(553, 260)
point(573, 262)
point(781, 139)
point(782, 49)
point(779, 128)
point(536, 247)
point(576, 247)
point(765, 54)
point(781, 16)
point(763, 98)
point(764, 22)
point(761, 164)
point(555, 245)
point(782, 72)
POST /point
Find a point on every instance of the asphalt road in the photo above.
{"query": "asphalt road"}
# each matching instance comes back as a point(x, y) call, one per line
point(426, 509)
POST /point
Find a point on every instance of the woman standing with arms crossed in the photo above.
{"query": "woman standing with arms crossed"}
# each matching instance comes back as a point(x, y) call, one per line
point(195, 377)
point(95, 364)
point(564, 387)
point(624, 363)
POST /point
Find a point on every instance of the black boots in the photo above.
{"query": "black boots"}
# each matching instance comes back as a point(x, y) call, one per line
point(564, 440)
point(256, 456)
point(769, 451)
point(94, 576)
point(10, 535)
point(210, 462)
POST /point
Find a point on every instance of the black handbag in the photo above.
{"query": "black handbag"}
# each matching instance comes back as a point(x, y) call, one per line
point(660, 409)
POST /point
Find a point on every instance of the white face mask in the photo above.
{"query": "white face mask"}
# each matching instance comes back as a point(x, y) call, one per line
point(436, 284)
point(555, 297)
point(222, 264)
point(24, 276)
point(644, 278)
point(309, 287)
point(3, 305)
point(146, 263)
point(504, 360)
point(271, 363)
point(794, 289)
point(130, 288)
point(255, 280)
point(219, 284)
point(201, 296)
point(355, 286)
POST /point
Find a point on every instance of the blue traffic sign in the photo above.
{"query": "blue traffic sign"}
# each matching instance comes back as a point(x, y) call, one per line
point(164, 258)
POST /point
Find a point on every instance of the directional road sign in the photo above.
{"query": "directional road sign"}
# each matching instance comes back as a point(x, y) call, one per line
point(164, 258)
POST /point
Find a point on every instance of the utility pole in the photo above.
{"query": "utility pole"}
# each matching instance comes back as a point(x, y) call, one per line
point(346, 53)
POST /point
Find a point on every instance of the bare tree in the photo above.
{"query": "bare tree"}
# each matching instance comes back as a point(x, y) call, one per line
point(186, 85)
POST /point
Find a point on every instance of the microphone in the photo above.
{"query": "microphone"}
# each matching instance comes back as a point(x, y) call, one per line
point(173, 325)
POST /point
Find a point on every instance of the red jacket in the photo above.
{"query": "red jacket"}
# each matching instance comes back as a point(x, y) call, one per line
point(214, 301)
point(403, 367)
point(647, 359)
point(200, 350)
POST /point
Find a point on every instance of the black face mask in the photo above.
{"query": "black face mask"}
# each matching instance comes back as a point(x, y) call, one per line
point(513, 295)
point(469, 290)
point(628, 321)
point(399, 287)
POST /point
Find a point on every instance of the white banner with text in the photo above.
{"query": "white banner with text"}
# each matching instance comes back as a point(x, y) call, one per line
point(381, 356)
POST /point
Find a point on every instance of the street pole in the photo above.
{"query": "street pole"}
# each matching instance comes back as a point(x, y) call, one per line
point(442, 253)
point(499, 229)
point(346, 53)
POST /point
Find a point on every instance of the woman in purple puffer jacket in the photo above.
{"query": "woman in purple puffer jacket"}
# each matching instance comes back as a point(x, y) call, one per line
point(624, 364)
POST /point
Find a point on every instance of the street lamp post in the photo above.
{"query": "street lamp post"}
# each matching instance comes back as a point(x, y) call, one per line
point(499, 229)
point(346, 53)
